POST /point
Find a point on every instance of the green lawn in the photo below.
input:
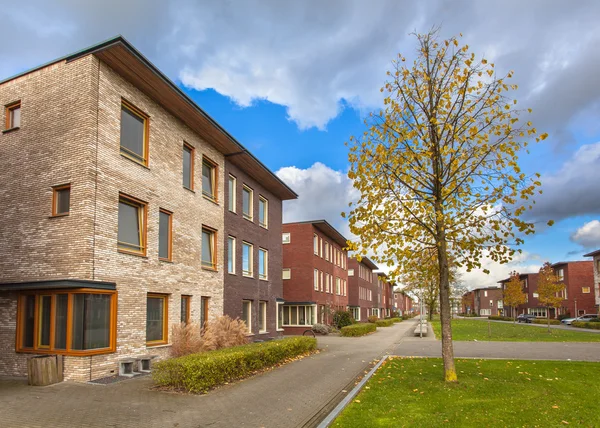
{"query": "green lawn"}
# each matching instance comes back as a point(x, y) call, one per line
point(489, 393)
point(465, 329)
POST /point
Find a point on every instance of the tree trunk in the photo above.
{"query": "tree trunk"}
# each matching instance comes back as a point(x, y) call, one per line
point(548, 317)
point(430, 314)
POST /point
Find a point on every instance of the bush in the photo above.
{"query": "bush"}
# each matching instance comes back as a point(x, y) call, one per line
point(405, 317)
point(224, 332)
point(372, 318)
point(396, 319)
point(593, 325)
point(342, 319)
point(185, 339)
point(200, 372)
point(384, 323)
point(395, 314)
point(359, 329)
point(552, 322)
point(321, 329)
point(500, 318)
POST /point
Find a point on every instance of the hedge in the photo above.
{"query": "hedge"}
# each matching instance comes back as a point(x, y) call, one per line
point(200, 372)
point(581, 324)
point(396, 319)
point(358, 329)
point(552, 322)
point(500, 318)
point(384, 323)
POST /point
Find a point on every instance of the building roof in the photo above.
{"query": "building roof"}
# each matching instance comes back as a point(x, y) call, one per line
point(568, 262)
point(128, 62)
point(54, 284)
point(592, 254)
point(367, 262)
point(520, 275)
point(327, 229)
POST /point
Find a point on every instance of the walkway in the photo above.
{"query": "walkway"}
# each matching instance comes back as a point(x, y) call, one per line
point(288, 396)
point(555, 326)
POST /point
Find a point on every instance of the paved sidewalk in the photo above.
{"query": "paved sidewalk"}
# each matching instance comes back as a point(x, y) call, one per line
point(288, 396)
point(554, 326)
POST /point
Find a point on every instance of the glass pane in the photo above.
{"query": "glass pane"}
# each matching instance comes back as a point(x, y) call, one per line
point(91, 321)
point(154, 319)
point(261, 263)
point(207, 249)
point(301, 315)
point(261, 212)
point(129, 226)
point(203, 311)
point(294, 315)
point(231, 194)
point(280, 317)
point(286, 315)
point(184, 308)
point(246, 202)
point(246, 313)
point(207, 179)
point(187, 167)
point(263, 313)
point(63, 198)
point(246, 258)
point(163, 235)
point(15, 117)
point(60, 321)
point(28, 321)
point(45, 321)
point(230, 255)
point(132, 134)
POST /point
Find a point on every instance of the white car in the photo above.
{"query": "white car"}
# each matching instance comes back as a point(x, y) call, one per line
point(582, 318)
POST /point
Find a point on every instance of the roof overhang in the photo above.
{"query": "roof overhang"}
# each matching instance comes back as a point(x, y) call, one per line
point(57, 284)
point(592, 254)
point(327, 229)
point(300, 303)
point(367, 262)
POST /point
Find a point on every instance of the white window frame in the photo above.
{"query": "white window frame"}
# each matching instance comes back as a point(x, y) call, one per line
point(278, 304)
point(249, 217)
point(338, 285)
point(316, 280)
point(286, 238)
point(321, 280)
point(250, 273)
point(249, 323)
point(232, 195)
point(289, 273)
point(265, 203)
point(262, 308)
point(313, 318)
point(350, 272)
point(231, 254)
point(315, 244)
point(583, 290)
point(264, 276)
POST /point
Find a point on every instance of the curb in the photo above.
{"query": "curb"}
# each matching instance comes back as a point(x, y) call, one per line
point(338, 409)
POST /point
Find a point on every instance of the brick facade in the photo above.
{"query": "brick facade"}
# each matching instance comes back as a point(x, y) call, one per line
point(596, 261)
point(579, 284)
point(363, 286)
point(488, 301)
point(402, 302)
point(529, 281)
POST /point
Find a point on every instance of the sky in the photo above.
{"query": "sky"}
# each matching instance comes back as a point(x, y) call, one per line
point(292, 81)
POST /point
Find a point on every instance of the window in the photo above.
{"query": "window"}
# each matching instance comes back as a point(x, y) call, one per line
point(203, 311)
point(326, 250)
point(350, 272)
point(157, 319)
point(209, 179)
point(232, 196)
point(13, 115)
point(485, 293)
point(247, 203)
point(61, 199)
point(561, 274)
point(316, 279)
point(316, 244)
point(262, 322)
point(45, 320)
point(279, 316)
point(321, 280)
point(355, 313)
point(337, 286)
point(231, 254)
point(165, 239)
point(247, 259)
point(299, 315)
point(286, 238)
point(491, 303)
point(538, 312)
point(287, 273)
point(485, 312)
point(132, 226)
point(209, 248)
point(263, 212)
point(536, 295)
point(134, 133)
point(247, 314)
point(263, 263)
point(186, 309)
point(188, 166)
point(585, 290)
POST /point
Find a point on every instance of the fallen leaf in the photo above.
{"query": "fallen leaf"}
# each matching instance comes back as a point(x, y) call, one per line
point(357, 401)
point(555, 407)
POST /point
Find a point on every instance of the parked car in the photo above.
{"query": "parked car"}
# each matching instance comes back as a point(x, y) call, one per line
point(526, 318)
point(582, 318)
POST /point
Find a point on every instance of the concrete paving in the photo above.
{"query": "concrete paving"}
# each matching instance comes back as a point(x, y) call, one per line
point(557, 327)
point(289, 396)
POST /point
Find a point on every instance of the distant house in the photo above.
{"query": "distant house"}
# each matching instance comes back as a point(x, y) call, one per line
point(363, 292)
point(402, 303)
point(468, 303)
point(531, 305)
point(578, 277)
point(596, 261)
point(488, 301)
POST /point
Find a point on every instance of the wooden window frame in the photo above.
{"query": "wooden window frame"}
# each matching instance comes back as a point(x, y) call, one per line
point(192, 151)
point(249, 217)
point(8, 109)
point(143, 216)
point(21, 300)
point(204, 321)
point(231, 254)
point(232, 195)
point(165, 299)
point(213, 263)
point(215, 180)
point(169, 257)
point(264, 277)
point(188, 307)
point(250, 273)
point(125, 152)
point(55, 190)
point(265, 201)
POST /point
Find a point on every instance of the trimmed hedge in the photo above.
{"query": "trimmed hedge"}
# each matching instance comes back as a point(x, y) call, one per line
point(358, 329)
point(396, 319)
point(384, 323)
point(500, 318)
point(581, 324)
point(372, 318)
point(552, 322)
point(200, 372)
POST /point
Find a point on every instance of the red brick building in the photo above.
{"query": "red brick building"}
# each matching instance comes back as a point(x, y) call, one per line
point(532, 305)
point(362, 282)
point(596, 261)
point(468, 302)
point(578, 278)
point(487, 301)
point(315, 276)
point(402, 302)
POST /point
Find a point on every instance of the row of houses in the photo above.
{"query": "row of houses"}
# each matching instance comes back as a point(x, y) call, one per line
point(127, 210)
point(581, 294)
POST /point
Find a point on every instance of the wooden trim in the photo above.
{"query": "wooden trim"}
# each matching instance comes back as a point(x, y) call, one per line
point(214, 235)
point(7, 113)
point(204, 299)
point(192, 163)
point(169, 257)
point(55, 190)
point(215, 179)
point(165, 299)
point(146, 146)
point(143, 218)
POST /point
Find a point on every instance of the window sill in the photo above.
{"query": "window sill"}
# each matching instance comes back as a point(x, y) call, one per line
point(165, 260)
point(132, 253)
point(213, 200)
point(6, 131)
point(232, 273)
point(264, 279)
point(158, 345)
point(248, 276)
point(250, 334)
point(142, 164)
point(263, 332)
point(233, 212)
point(264, 226)
point(280, 329)
point(189, 190)
point(209, 269)
point(250, 219)
point(58, 215)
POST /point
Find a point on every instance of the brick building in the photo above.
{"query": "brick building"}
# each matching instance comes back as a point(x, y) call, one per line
point(402, 302)
point(532, 305)
point(105, 240)
point(487, 301)
point(363, 292)
point(468, 303)
point(315, 275)
point(578, 277)
point(596, 261)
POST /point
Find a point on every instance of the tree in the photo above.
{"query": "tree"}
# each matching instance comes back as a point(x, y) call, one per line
point(437, 168)
point(549, 289)
point(513, 295)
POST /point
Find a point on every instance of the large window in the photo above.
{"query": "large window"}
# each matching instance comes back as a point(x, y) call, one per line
point(316, 244)
point(262, 326)
point(134, 133)
point(232, 195)
point(186, 309)
point(279, 316)
point(299, 315)
point(132, 225)
point(316, 279)
point(209, 248)
point(13, 115)
point(61, 199)
point(188, 166)
point(263, 263)
point(157, 319)
point(247, 202)
point(209, 179)
point(355, 313)
point(67, 322)
point(247, 314)
point(538, 312)
point(263, 212)
point(247, 259)
point(165, 238)
point(231, 254)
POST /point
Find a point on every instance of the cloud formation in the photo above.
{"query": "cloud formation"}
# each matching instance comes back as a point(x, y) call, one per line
point(588, 235)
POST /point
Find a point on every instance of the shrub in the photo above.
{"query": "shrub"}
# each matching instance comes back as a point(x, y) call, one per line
point(224, 332)
point(372, 318)
point(185, 339)
point(396, 319)
point(405, 317)
point(359, 329)
point(395, 314)
point(500, 318)
point(593, 325)
point(552, 322)
point(200, 372)
point(384, 323)
point(321, 329)
point(342, 319)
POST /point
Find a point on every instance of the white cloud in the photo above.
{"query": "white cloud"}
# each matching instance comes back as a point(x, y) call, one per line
point(588, 235)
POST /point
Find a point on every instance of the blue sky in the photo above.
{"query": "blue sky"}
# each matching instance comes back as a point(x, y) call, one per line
point(292, 81)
